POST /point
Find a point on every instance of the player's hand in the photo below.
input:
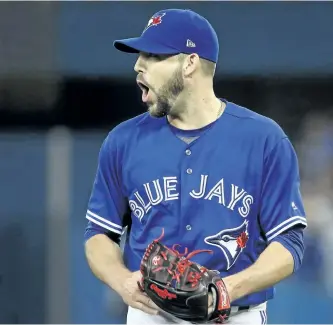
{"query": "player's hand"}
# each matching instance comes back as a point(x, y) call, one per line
point(133, 297)
point(211, 303)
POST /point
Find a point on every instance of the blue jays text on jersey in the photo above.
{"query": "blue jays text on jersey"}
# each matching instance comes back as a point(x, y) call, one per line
point(162, 190)
point(232, 190)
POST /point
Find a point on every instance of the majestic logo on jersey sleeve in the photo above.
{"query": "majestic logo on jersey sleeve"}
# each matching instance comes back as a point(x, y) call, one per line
point(231, 242)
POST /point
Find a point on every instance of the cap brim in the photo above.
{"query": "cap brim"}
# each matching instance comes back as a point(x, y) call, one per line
point(140, 44)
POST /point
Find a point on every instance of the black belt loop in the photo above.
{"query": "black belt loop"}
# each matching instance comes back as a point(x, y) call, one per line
point(243, 308)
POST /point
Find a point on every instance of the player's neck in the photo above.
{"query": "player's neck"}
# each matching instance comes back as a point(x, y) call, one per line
point(197, 111)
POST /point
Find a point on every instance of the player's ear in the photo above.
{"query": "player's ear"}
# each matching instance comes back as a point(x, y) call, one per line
point(190, 64)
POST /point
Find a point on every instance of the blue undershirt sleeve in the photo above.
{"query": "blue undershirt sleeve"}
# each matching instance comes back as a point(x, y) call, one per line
point(293, 240)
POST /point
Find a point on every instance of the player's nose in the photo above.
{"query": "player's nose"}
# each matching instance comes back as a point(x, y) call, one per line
point(140, 64)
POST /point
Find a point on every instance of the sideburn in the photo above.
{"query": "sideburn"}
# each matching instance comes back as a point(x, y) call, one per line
point(170, 92)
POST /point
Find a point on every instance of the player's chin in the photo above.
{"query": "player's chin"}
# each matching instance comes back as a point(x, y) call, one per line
point(153, 110)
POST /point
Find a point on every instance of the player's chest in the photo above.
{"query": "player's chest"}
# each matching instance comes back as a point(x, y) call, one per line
point(198, 175)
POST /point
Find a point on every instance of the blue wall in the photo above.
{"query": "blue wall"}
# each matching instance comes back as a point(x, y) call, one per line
point(22, 234)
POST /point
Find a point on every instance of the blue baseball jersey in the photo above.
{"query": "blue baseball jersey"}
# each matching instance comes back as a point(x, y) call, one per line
point(231, 190)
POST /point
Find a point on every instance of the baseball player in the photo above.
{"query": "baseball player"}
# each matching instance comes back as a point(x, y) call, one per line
point(213, 174)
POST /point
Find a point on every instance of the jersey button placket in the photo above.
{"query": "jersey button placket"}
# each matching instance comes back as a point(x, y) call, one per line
point(188, 153)
point(189, 171)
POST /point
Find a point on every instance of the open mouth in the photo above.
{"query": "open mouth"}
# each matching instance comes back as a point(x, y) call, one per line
point(145, 91)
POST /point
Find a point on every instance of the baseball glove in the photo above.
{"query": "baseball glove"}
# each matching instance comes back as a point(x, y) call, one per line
point(180, 286)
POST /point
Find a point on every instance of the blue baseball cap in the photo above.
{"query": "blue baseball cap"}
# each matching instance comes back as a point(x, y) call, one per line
point(174, 31)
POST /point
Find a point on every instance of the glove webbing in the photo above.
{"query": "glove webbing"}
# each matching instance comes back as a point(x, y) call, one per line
point(177, 268)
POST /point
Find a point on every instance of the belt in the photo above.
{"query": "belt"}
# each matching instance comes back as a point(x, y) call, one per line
point(236, 309)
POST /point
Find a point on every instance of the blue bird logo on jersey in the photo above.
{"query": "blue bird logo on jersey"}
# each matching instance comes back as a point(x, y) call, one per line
point(231, 242)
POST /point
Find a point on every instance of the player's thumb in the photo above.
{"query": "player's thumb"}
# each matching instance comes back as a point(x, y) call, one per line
point(212, 296)
point(137, 278)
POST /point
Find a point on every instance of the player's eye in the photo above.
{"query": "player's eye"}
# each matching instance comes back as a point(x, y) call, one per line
point(154, 56)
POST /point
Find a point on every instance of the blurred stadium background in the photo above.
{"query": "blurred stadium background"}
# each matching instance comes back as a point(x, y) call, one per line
point(63, 87)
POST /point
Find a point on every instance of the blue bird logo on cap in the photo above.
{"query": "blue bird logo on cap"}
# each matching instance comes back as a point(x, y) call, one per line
point(154, 21)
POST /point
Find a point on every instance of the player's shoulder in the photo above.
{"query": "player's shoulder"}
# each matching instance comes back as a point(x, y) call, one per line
point(125, 130)
point(255, 124)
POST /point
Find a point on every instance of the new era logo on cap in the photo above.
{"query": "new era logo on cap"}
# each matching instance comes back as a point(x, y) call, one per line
point(189, 43)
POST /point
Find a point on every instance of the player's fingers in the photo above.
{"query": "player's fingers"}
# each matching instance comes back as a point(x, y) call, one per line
point(210, 310)
point(145, 300)
point(210, 299)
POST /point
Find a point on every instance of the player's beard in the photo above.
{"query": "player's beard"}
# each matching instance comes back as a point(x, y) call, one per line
point(167, 95)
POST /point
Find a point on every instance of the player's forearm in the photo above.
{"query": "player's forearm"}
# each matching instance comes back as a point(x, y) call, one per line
point(273, 265)
point(105, 260)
